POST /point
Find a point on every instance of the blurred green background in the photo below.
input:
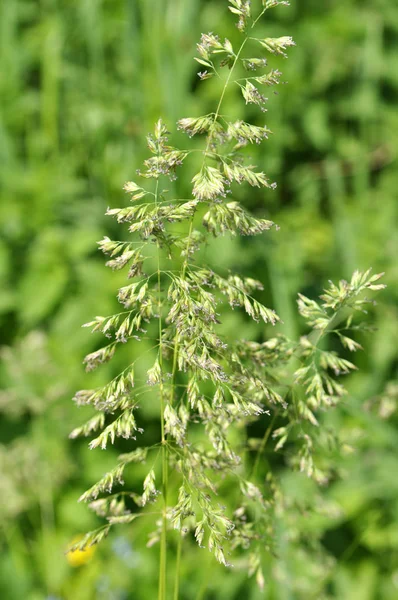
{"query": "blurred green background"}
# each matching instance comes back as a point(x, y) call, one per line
point(81, 83)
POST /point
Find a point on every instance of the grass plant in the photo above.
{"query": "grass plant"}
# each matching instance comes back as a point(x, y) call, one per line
point(212, 390)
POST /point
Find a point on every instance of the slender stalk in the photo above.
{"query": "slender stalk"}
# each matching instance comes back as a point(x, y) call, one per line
point(263, 444)
point(206, 153)
point(176, 340)
point(229, 78)
point(163, 540)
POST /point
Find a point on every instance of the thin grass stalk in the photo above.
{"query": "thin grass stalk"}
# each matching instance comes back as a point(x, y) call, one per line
point(264, 441)
point(163, 541)
point(183, 272)
point(205, 154)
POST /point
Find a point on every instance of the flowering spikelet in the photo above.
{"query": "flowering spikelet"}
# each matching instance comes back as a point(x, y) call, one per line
point(208, 184)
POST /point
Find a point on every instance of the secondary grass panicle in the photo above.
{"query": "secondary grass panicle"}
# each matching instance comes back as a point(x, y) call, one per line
point(201, 378)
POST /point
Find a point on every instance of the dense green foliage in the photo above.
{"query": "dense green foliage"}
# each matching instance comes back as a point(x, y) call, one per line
point(81, 84)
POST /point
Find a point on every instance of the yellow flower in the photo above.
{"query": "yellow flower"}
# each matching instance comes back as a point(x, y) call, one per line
point(79, 557)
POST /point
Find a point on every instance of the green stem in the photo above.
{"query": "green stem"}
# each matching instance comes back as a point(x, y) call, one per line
point(206, 152)
point(163, 540)
point(263, 444)
point(176, 340)
point(186, 259)
point(258, 18)
point(217, 113)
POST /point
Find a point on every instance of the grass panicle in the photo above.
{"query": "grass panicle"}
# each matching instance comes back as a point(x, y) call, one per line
point(212, 388)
